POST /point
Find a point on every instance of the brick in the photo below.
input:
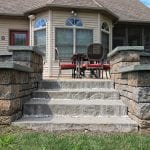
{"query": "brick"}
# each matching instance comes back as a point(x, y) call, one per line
point(139, 79)
point(6, 120)
point(8, 107)
point(141, 110)
point(9, 91)
point(144, 124)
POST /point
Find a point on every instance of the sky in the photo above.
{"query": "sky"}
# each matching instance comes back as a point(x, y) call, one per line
point(146, 2)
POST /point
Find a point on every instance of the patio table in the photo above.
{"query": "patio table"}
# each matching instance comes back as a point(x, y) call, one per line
point(78, 59)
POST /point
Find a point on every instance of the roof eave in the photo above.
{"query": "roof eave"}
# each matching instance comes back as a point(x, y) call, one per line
point(12, 15)
point(135, 21)
point(106, 11)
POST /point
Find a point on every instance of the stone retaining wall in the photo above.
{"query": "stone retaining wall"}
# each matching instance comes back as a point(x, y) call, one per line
point(20, 74)
point(131, 73)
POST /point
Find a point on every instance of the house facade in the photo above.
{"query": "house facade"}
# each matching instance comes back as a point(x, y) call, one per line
point(72, 25)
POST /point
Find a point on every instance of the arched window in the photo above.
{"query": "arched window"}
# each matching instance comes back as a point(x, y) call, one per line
point(105, 26)
point(105, 38)
point(40, 23)
point(40, 34)
point(74, 21)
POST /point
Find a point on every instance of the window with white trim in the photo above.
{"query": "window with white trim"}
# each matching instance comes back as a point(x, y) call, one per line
point(105, 32)
point(73, 38)
point(40, 34)
point(74, 21)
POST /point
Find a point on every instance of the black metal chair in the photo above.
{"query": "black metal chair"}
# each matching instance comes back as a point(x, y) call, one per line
point(97, 61)
point(95, 56)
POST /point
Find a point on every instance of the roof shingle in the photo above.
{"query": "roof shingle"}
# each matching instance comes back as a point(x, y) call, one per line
point(77, 3)
point(127, 10)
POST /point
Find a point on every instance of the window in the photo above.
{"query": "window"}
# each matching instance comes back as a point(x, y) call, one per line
point(129, 35)
point(74, 21)
point(70, 41)
point(84, 37)
point(105, 43)
point(64, 42)
point(119, 37)
point(40, 23)
point(19, 38)
point(73, 39)
point(40, 40)
point(105, 38)
point(147, 38)
point(105, 26)
point(40, 34)
point(134, 37)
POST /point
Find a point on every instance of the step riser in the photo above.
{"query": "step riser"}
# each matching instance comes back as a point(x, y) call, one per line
point(74, 110)
point(77, 95)
point(109, 128)
point(77, 85)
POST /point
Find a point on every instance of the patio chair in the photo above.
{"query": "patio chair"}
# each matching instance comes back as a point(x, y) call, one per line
point(64, 65)
point(97, 61)
point(95, 55)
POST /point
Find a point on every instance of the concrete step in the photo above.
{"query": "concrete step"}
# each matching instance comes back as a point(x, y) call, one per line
point(67, 123)
point(76, 84)
point(39, 108)
point(77, 94)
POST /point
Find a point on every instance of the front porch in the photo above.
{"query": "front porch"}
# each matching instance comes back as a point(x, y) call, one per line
point(76, 104)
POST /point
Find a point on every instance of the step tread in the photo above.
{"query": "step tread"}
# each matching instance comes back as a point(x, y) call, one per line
point(78, 90)
point(75, 102)
point(76, 120)
point(77, 80)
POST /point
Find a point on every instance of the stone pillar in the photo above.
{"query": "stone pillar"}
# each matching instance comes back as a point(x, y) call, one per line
point(20, 74)
point(131, 73)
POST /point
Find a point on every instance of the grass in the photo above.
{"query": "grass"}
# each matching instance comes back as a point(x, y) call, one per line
point(18, 139)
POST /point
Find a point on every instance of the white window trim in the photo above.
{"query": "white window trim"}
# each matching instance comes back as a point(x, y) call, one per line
point(108, 32)
point(37, 29)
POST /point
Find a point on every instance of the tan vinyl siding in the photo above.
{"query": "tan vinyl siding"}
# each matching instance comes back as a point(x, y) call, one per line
point(90, 21)
point(10, 24)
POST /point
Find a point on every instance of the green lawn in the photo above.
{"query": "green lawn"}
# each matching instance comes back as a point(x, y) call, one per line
point(17, 139)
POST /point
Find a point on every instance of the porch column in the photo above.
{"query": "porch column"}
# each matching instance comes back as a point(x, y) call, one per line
point(31, 18)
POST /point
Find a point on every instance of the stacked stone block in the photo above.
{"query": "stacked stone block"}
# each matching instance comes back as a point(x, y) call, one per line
point(20, 75)
point(131, 73)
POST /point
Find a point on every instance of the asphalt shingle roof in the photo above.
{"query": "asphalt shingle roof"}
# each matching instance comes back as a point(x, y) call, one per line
point(127, 10)
point(19, 7)
point(77, 3)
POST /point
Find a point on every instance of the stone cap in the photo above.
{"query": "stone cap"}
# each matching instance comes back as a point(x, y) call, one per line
point(25, 48)
point(125, 48)
point(5, 53)
point(145, 54)
point(14, 66)
point(135, 68)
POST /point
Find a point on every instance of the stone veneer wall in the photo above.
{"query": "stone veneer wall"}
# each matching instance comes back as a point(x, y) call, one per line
point(131, 73)
point(20, 74)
